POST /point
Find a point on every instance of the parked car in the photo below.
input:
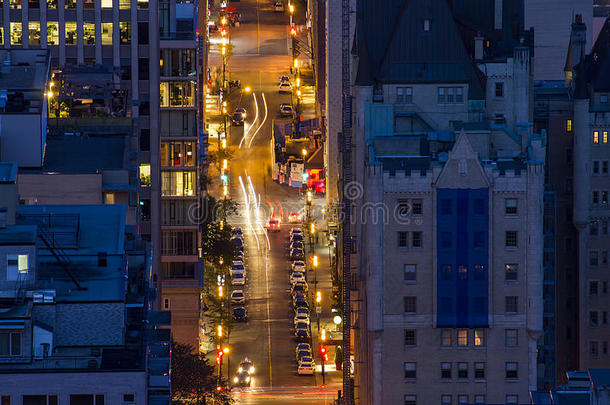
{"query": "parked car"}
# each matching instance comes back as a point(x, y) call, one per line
point(238, 278)
point(301, 311)
point(299, 300)
point(286, 109)
point(284, 79)
point(303, 346)
point(300, 286)
point(296, 244)
point(238, 266)
point(297, 254)
point(295, 218)
point(237, 231)
point(302, 353)
point(301, 318)
point(278, 7)
point(298, 265)
point(301, 331)
point(296, 277)
point(238, 297)
point(306, 366)
point(239, 244)
point(285, 88)
point(296, 237)
point(240, 314)
point(295, 230)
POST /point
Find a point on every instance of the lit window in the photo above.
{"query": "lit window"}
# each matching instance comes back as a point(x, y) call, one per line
point(142, 4)
point(511, 272)
point(605, 137)
point(51, 3)
point(145, 175)
point(52, 33)
point(479, 337)
point(89, 33)
point(70, 33)
point(34, 32)
point(177, 184)
point(16, 266)
point(15, 4)
point(109, 198)
point(568, 125)
point(16, 33)
point(88, 4)
point(1, 35)
point(10, 344)
point(595, 136)
point(462, 336)
point(125, 31)
point(106, 3)
point(427, 24)
point(106, 33)
point(177, 94)
point(124, 4)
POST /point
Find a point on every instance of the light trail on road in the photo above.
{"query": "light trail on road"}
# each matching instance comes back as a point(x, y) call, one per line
point(247, 128)
point(243, 189)
point(262, 123)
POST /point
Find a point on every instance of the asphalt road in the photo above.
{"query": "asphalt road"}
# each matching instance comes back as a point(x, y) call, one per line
point(260, 56)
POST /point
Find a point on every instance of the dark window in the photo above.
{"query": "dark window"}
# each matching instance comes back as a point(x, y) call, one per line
point(416, 242)
point(479, 206)
point(6, 399)
point(102, 259)
point(511, 304)
point(445, 206)
point(410, 399)
point(416, 207)
point(410, 370)
point(410, 304)
point(143, 69)
point(445, 305)
point(80, 399)
point(511, 239)
point(604, 167)
point(511, 338)
point(512, 370)
point(478, 239)
point(403, 239)
point(410, 271)
point(511, 272)
point(510, 206)
point(404, 208)
point(410, 337)
point(446, 272)
point(593, 319)
point(400, 95)
point(462, 370)
point(125, 69)
point(479, 370)
point(145, 140)
point(593, 258)
point(593, 350)
point(462, 273)
point(446, 240)
point(596, 167)
point(34, 400)
point(499, 89)
point(569, 156)
point(143, 33)
point(446, 370)
point(593, 228)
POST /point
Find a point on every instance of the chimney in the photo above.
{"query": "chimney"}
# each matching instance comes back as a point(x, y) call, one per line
point(579, 41)
point(478, 47)
point(3, 217)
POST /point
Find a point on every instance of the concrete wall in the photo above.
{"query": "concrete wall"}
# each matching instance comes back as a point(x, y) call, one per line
point(60, 188)
point(18, 130)
point(184, 304)
point(110, 384)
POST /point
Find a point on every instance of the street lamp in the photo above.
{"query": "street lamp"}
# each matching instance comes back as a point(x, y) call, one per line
point(247, 89)
point(291, 9)
point(304, 152)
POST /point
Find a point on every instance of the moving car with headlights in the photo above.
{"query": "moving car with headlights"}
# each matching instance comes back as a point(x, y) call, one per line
point(238, 297)
point(239, 116)
point(273, 225)
point(295, 218)
point(245, 371)
point(286, 109)
point(306, 366)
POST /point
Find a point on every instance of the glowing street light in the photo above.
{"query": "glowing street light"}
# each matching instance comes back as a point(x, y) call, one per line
point(315, 264)
point(225, 350)
point(225, 164)
point(223, 20)
point(247, 89)
point(304, 152)
point(312, 228)
point(219, 330)
point(223, 50)
point(337, 320)
point(318, 297)
point(309, 196)
point(298, 81)
point(296, 63)
point(224, 143)
point(291, 8)
point(220, 292)
point(299, 93)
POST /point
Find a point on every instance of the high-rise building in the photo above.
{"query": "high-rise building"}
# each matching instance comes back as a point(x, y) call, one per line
point(449, 182)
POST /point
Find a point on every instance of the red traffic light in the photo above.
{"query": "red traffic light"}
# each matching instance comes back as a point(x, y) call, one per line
point(219, 353)
point(322, 350)
point(293, 32)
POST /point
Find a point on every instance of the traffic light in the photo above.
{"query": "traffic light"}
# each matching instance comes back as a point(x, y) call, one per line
point(293, 31)
point(323, 353)
point(219, 354)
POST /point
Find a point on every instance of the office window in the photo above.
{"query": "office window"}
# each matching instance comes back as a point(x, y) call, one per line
point(446, 337)
point(446, 399)
point(593, 319)
point(593, 228)
point(449, 99)
point(70, 3)
point(143, 33)
point(15, 4)
point(410, 337)
point(595, 197)
point(106, 3)
point(595, 167)
point(10, 344)
point(34, 32)
point(499, 89)
point(446, 240)
point(16, 33)
point(510, 239)
point(479, 399)
point(604, 257)
point(89, 33)
point(593, 288)
point(605, 137)
point(479, 272)
point(595, 136)
point(410, 399)
point(604, 195)
point(400, 95)
point(410, 370)
point(604, 167)
point(166, 303)
point(177, 184)
point(403, 239)
point(593, 258)
point(511, 369)
point(462, 399)
point(86, 399)
point(106, 33)
point(479, 370)
point(124, 4)
point(445, 370)
point(568, 125)
point(52, 33)
point(510, 206)
point(177, 94)
point(462, 273)
point(446, 273)
point(70, 33)
point(604, 227)
point(603, 99)
point(459, 95)
point(142, 4)
point(410, 272)
point(416, 207)
point(462, 337)
point(404, 208)
point(511, 304)
point(479, 337)
point(511, 338)
point(462, 370)
point(125, 33)
point(511, 272)
point(1, 35)
point(90, 4)
point(593, 349)
point(441, 95)
point(410, 304)
point(512, 399)
point(450, 95)
point(129, 398)
point(416, 240)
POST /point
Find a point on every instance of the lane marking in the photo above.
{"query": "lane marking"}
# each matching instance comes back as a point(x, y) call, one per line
point(268, 317)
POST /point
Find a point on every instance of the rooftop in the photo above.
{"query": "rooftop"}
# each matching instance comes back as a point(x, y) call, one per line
point(18, 235)
point(23, 69)
point(82, 154)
